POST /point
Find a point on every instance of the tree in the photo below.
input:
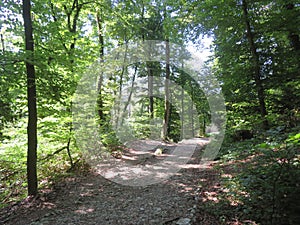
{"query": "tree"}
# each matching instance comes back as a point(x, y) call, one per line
point(31, 98)
point(293, 32)
point(255, 43)
point(101, 55)
point(167, 108)
point(256, 65)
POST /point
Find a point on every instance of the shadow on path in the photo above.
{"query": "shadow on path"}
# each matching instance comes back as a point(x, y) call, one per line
point(92, 199)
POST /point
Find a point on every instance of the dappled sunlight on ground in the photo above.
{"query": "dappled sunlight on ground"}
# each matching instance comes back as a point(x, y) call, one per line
point(84, 210)
point(195, 192)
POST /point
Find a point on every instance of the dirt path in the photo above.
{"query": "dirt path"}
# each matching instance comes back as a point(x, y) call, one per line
point(92, 199)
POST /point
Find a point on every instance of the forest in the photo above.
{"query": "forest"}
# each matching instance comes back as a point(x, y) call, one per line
point(77, 76)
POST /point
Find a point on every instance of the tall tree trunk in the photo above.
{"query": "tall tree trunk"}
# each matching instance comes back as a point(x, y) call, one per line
point(31, 97)
point(100, 81)
point(72, 27)
point(150, 68)
point(123, 72)
point(130, 94)
point(150, 88)
point(2, 43)
point(191, 113)
point(257, 69)
point(182, 133)
point(167, 93)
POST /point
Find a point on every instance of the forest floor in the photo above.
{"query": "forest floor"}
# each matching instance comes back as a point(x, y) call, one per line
point(89, 198)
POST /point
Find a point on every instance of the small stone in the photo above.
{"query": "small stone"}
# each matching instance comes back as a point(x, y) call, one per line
point(184, 221)
point(157, 211)
point(158, 151)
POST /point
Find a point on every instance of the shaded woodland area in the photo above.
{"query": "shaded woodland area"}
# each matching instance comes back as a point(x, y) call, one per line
point(48, 45)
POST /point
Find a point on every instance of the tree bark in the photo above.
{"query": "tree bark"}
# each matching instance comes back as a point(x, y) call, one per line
point(150, 88)
point(182, 133)
point(31, 98)
point(100, 80)
point(130, 94)
point(123, 71)
point(257, 69)
point(191, 113)
point(167, 93)
point(2, 43)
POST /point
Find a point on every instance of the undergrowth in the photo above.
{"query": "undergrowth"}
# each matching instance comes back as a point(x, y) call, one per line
point(52, 164)
point(260, 181)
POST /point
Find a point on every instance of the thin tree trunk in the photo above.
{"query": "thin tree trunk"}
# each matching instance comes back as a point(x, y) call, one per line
point(31, 97)
point(167, 93)
point(182, 113)
point(257, 69)
point(130, 94)
point(191, 113)
point(2, 43)
point(150, 69)
point(183, 117)
point(150, 89)
point(124, 69)
point(100, 81)
point(72, 27)
point(204, 126)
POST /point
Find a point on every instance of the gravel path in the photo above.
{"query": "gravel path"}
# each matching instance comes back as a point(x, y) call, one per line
point(92, 199)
